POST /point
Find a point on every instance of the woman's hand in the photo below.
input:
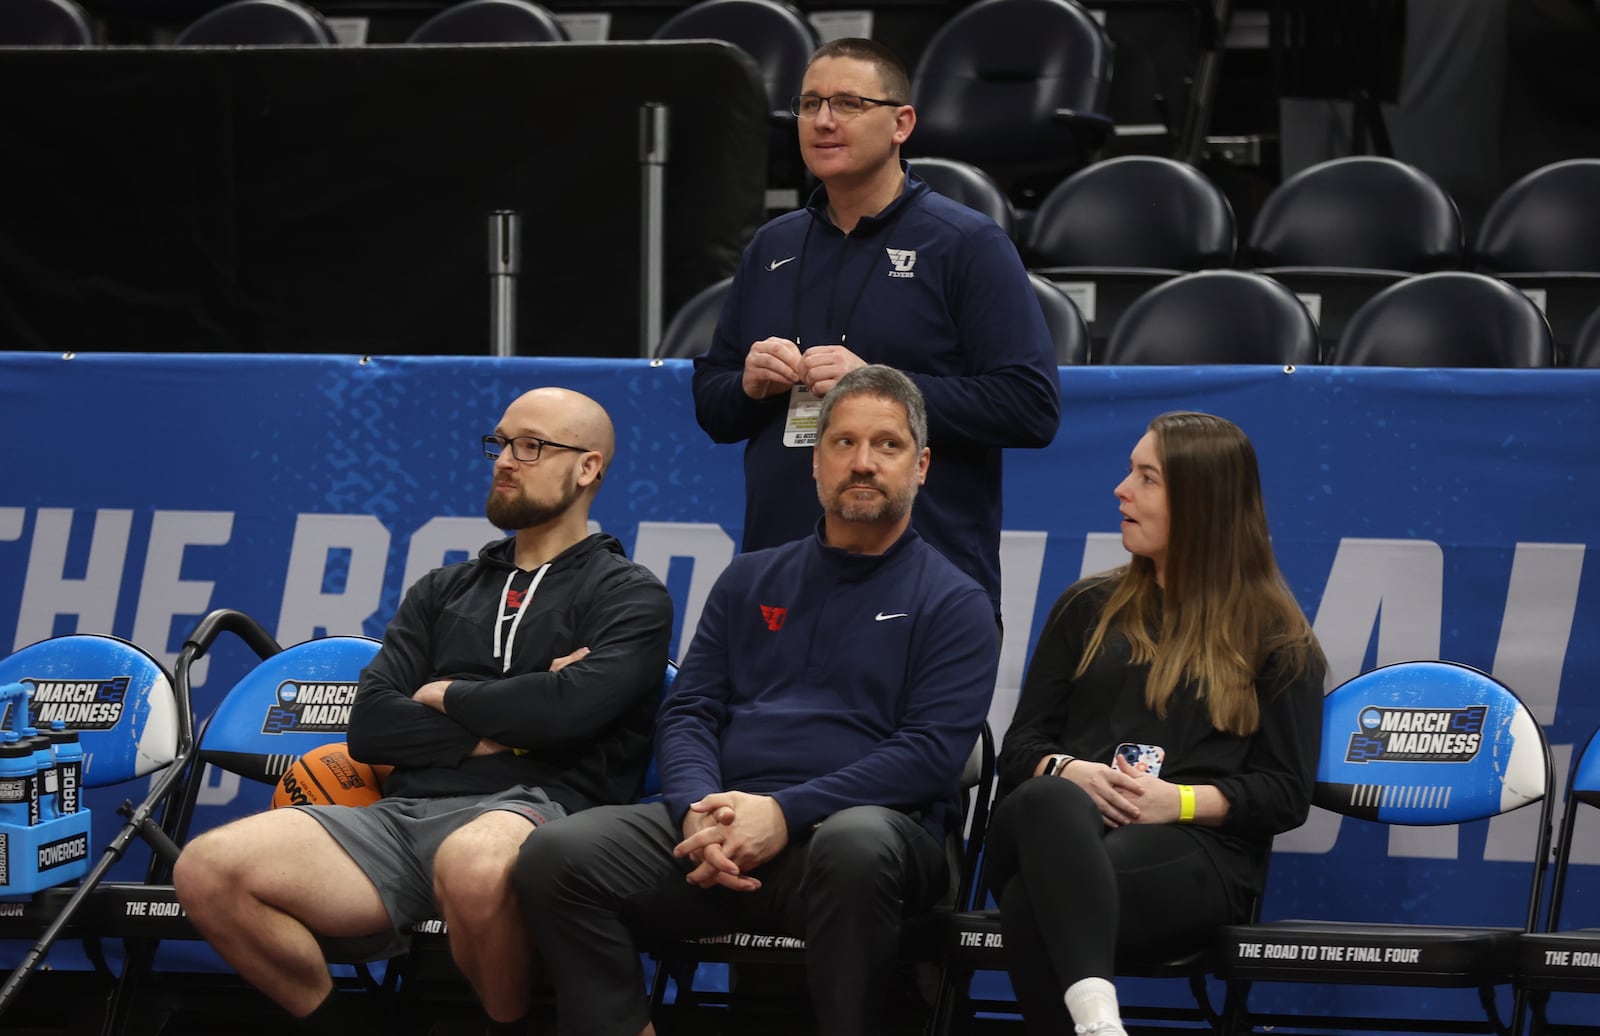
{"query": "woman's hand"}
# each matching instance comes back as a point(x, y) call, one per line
point(1119, 794)
point(1160, 802)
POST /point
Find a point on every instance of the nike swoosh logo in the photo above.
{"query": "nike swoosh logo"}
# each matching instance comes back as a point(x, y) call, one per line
point(779, 262)
point(897, 615)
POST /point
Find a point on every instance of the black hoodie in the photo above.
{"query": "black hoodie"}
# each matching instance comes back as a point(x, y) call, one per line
point(582, 734)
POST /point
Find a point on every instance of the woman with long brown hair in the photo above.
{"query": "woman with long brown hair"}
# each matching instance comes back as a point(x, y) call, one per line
point(1167, 730)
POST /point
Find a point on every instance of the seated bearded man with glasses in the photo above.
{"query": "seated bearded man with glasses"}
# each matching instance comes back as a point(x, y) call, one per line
point(878, 268)
point(510, 690)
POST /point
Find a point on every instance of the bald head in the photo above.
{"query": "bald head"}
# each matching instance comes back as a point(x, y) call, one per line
point(564, 416)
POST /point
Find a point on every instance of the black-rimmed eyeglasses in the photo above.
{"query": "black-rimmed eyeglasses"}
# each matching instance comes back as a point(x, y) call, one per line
point(843, 106)
point(525, 448)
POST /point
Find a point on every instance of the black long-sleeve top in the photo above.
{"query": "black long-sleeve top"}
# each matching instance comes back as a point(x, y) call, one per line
point(1266, 777)
point(582, 734)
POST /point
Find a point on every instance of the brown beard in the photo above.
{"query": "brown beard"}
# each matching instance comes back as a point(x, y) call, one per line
point(521, 513)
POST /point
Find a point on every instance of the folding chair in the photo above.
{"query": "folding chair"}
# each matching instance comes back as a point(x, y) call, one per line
point(297, 699)
point(1416, 743)
point(920, 940)
point(133, 719)
point(1565, 960)
point(971, 941)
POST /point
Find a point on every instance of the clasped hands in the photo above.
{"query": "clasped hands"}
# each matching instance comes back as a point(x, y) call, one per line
point(1125, 795)
point(727, 835)
point(774, 364)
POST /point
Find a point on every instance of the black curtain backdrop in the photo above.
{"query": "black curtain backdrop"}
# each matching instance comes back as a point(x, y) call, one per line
point(337, 199)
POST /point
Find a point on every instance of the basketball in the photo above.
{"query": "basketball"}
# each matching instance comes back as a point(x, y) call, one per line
point(328, 776)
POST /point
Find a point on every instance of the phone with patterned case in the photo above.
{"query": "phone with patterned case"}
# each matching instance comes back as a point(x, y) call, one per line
point(1142, 758)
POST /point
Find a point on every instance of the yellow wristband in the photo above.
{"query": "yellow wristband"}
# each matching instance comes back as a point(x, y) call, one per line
point(1185, 804)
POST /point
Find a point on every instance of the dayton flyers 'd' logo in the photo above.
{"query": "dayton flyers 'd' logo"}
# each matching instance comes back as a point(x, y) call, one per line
point(310, 707)
point(1417, 735)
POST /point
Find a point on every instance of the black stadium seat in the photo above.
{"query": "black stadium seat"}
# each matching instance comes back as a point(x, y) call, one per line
point(969, 185)
point(246, 23)
point(780, 40)
point(1214, 317)
point(1110, 232)
point(1015, 86)
point(491, 21)
point(1067, 329)
point(44, 23)
point(1447, 319)
point(688, 333)
point(1585, 350)
point(1542, 234)
point(1341, 231)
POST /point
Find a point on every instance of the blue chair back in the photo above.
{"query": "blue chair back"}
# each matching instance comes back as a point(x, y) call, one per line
point(1429, 743)
point(290, 703)
point(119, 699)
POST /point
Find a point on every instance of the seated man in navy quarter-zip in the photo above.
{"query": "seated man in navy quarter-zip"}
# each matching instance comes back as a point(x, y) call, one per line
point(810, 752)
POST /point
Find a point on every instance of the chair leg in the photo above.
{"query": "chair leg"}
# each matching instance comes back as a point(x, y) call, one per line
point(125, 990)
point(939, 1019)
point(1202, 1000)
point(951, 1010)
point(1492, 1010)
point(1236, 1009)
point(658, 986)
point(681, 973)
point(1538, 1002)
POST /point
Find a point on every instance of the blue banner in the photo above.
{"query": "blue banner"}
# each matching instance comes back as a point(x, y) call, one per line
point(1416, 514)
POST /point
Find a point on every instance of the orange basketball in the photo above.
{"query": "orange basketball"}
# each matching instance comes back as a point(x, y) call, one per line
point(329, 776)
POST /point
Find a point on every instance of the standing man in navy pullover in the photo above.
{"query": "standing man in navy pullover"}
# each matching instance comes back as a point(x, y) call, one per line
point(810, 752)
point(878, 268)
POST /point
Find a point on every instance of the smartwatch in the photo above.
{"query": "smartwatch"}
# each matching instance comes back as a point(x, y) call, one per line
point(1058, 764)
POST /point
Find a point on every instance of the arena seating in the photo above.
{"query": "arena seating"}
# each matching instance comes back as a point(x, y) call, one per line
point(44, 23)
point(280, 23)
point(491, 21)
point(1341, 231)
point(1213, 317)
point(1542, 234)
point(1451, 318)
point(1111, 231)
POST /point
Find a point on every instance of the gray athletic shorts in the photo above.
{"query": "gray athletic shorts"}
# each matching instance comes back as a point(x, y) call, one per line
point(394, 840)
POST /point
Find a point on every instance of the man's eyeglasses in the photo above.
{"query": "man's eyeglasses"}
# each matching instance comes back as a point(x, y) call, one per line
point(843, 106)
point(525, 448)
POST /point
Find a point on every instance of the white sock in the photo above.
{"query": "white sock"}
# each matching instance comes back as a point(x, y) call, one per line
point(1091, 1000)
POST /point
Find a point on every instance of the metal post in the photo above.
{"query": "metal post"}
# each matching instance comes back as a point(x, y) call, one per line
point(1191, 142)
point(652, 203)
point(505, 259)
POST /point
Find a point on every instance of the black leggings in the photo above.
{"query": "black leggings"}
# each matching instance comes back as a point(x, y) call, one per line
point(1075, 894)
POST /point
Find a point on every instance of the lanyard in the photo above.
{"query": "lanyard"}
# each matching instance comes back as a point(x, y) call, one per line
point(800, 274)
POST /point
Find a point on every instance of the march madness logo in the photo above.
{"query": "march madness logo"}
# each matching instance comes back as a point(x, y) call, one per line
point(310, 708)
point(1417, 735)
point(78, 704)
